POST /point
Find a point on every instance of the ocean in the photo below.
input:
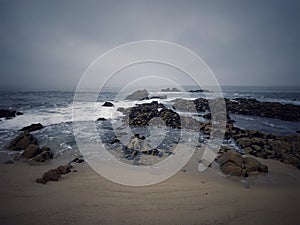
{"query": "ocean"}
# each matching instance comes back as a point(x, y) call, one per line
point(53, 109)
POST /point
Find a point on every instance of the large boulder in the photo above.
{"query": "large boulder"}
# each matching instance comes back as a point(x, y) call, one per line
point(32, 127)
point(44, 155)
point(22, 141)
point(233, 163)
point(31, 151)
point(138, 95)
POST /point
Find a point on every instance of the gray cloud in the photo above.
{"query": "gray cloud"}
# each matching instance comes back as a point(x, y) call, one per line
point(49, 44)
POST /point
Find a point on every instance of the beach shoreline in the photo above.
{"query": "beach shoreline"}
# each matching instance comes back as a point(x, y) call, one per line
point(189, 197)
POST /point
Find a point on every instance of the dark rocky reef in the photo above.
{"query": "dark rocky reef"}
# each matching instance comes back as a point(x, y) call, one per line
point(9, 114)
point(243, 106)
point(32, 127)
point(141, 115)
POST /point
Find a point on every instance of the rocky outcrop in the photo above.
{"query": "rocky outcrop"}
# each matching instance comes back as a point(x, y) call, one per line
point(22, 141)
point(108, 104)
point(233, 163)
point(54, 174)
point(8, 114)
point(27, 142)
point(170, 90)
point(141, 115)
point(267, 146)
point(138, 95)
point(243, 106)
point(253, 107)
point(32, 127)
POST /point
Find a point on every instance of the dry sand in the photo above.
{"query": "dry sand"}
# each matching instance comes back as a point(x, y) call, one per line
point(189, 197)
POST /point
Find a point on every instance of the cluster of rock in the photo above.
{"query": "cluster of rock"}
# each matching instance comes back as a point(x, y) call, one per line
point(8, 114)
point(233, 163)
point(137, 146)
point(27, 142)
point(170, 90)
point(141, 115)
point(267, 146)
point(244, 106)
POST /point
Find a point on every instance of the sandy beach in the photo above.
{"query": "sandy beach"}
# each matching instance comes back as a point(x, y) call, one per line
point(189, 197)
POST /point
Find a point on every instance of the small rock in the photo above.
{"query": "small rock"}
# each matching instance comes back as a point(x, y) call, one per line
point(32, 127)
point(108, 104)
point(101, 119)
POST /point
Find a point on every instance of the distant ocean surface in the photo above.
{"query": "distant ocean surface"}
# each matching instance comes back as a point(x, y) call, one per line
point(53, 109)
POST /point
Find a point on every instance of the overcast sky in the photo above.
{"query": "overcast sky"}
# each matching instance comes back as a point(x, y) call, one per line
point(49, 44)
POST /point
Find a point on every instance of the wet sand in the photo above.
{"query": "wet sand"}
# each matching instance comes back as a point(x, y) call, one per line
point(189, 197)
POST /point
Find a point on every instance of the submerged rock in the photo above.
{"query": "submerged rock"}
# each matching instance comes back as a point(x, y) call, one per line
point(32, 127)
point(22, 141)
point(138, 95)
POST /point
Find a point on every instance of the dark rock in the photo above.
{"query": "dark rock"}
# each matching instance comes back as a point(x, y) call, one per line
point(101, 119)
point(170, 90)
point(8, 114)
point(159, 97)
point(115, 140)
point(199, 91)
point(54, 174)
point(22, 141)
point(32, 127)
point(253, 107)
point(9, 162)
point(31, 151)
point(108, 104)
point(78, 160)
point(141, 115)
point(45, 155)
point(138, 95)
